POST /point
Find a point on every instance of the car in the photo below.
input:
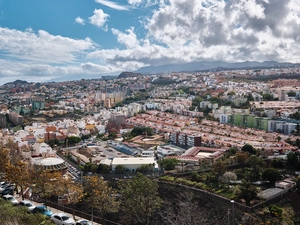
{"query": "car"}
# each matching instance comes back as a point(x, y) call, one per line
point(83, 222)
point(6, 186)
point(10, 198)
point(43, 210)
point(27, 204)
point(8, 191)
point(62, 219)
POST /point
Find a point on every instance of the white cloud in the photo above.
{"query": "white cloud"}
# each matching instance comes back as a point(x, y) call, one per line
point(79, 20)
point(99, 18)
point(41, 46)
point(112, 5)
point(176, 31)
point(129, 40)
point(135, 2)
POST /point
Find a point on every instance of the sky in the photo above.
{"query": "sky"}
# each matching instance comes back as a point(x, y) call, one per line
point(45, 40)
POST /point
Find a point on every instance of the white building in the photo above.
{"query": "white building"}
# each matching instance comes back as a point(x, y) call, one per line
point(133, 163)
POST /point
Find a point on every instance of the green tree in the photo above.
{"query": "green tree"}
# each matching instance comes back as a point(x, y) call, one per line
point(246, 191)
point(103, 168)
point(112, 135)
point(271, 175)
point(255, 163)
point(120, 169)
point(291, 94)
point(145, 168)
point(99, 196)
point(298, 185)
point(169, 163)
point(73, 140)
point(293, 160)
point(249, 148)
point(267, 97)
point(141, 130)
point(85, 137)
point(139, 199)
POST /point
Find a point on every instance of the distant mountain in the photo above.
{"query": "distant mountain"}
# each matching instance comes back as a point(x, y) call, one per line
point(128, 74)
point(212, 65)
point(18, 82)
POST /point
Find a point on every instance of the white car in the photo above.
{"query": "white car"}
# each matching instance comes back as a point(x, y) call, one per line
point(83, 222)
point(62, 219)
point(11, 199)
point(27, 204)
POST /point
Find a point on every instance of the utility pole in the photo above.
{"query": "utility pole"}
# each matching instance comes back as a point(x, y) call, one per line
point(232, 201)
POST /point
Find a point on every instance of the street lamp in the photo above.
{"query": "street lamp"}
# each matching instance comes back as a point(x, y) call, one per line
point(232, 201)
point(228, 214)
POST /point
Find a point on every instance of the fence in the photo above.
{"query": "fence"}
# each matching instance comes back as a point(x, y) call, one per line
point(226, 201)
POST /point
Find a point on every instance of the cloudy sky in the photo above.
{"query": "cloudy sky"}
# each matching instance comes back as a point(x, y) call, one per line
point(43, 40)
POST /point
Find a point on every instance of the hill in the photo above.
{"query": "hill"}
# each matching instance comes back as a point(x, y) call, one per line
point(213, 66)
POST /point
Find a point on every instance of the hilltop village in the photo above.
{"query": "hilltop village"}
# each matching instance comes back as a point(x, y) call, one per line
point(226, 133)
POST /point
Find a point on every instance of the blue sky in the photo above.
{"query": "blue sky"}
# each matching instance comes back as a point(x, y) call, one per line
point(42, 40)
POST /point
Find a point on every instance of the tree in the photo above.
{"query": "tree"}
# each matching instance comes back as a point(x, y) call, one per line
point(241, 157)
point(73, 140)
point(271, 175)
point(120, 169)
point(293, 160)
point(18, 174)
point(99, 196)
point(219, 167)
point(277, 163)
point(298, 185)
point(255, 163)
point(10, 215)
point(227, 177)
point(246, 191)
point(267, 97)
point(142, 130)
point(249, 148)
point(145, 168)
point(4, 158)
point(103, 168)
point(112, 135)
point(44, 182)
point(73, 191)
point(139, 199)
point(169, 163)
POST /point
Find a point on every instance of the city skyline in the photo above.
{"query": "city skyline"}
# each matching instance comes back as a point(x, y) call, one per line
point(65, 40)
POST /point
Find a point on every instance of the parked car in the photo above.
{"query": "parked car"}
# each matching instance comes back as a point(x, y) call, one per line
point(6, 186)
point(27, 204)
point(8, 191)
point(83, 222)
point(62, 219)
point(43, 210)
point(10, 198)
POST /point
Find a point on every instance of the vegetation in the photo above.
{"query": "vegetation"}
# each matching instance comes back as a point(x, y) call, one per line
point(99, 196)
point(246, 191)
point(10, 215)
point(249, 148)
point(271, 175)
point(168, 164)
point(73, 140)
point(139, 199)
point(141, 130)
